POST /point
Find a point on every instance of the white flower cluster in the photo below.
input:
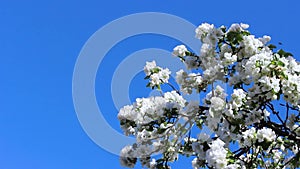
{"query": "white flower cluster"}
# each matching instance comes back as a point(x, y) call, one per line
point(251, 45)
point(156, 74)
point(259, 80)
point(145, 110)
point(126, 157)
point(229, 59)
point(188, 82)
point(180, 50)
point(216, 101)
point(250, 136)
point(266, 134)
point(238, 96)
point(207, 33)
point(154, 110)
point(216, 155)
point(238, 27)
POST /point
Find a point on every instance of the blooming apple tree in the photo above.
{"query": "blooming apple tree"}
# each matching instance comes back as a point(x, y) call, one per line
point(255, 121)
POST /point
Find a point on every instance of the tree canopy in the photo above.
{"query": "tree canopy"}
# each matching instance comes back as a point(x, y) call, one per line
point(254, 121)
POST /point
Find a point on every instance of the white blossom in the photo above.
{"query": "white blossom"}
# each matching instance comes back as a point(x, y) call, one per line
point(229, 59)
point(153, 164)
point(217, 104)
point(238, 27)
point(149, 66)
point(188, 82)
point(266, 134)
point(233, 166)
point(203, 30)
point(195, 163)
point(238, 97)
point(265, 39)
point(249, 137)
point(156, 74)
point(251, 45)
point(216, 155)
point(180, 50)
point(127, 157)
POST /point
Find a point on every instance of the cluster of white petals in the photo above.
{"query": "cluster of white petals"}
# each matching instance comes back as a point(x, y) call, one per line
point(216, 155)
point(156, 74)
point(188, 82)
point(253, 122)
point(180, 50)
point(145, 110)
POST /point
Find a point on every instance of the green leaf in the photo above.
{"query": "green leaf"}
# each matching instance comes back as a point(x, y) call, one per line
point(273, 62)
point(188, 53)
point(257, 64)
point(288, 54)
point(279, 63)
point(155, 70)
point(158, 87)
point(230, 36)
point(245, 33)
point(160, 130)
point(223, 29)
point(199, 123)
point(284, 53)
point(235, 37)
point(271, 46)
point(239, 38)
point(281, 52)
point(265, 145)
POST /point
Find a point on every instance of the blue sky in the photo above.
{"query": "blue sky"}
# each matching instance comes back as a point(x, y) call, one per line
point(40, 42)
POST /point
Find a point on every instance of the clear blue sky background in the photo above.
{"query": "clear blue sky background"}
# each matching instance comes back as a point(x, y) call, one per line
point(39, 45)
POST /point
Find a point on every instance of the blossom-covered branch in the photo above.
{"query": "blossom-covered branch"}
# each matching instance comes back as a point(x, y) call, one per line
point(255, 122)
